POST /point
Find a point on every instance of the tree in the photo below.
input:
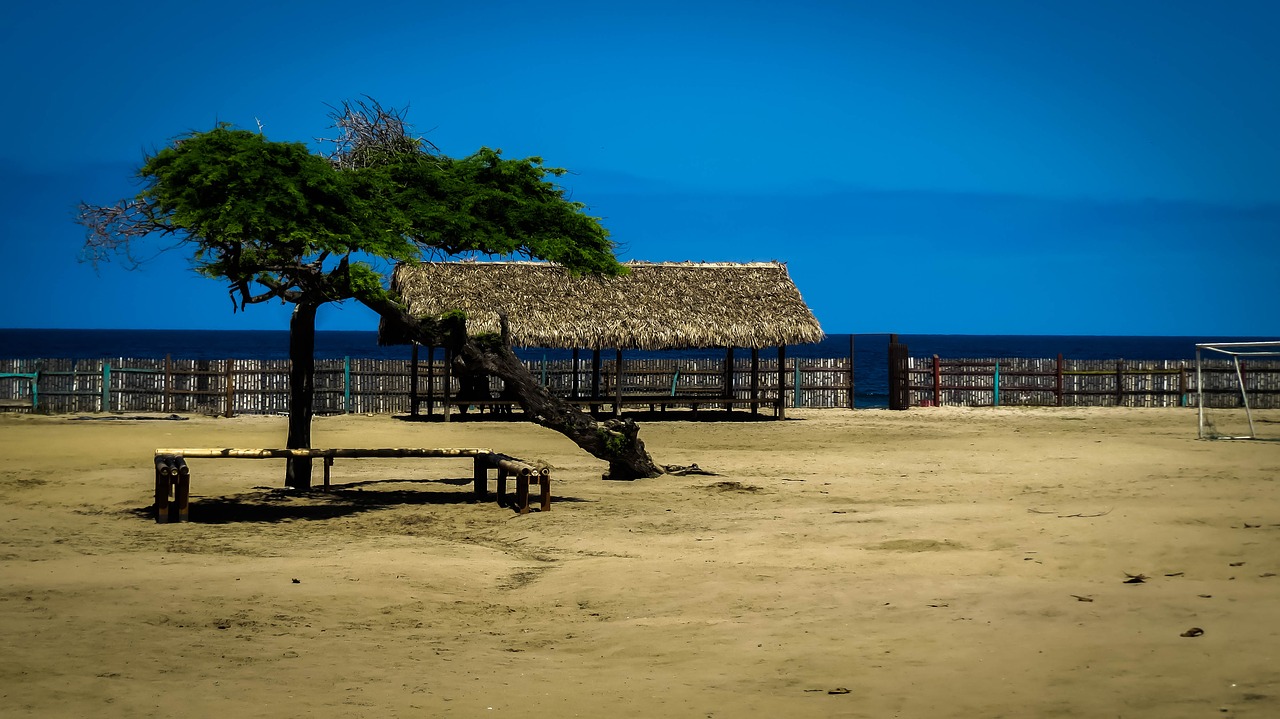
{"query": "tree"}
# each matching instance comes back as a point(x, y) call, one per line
point(279, 222)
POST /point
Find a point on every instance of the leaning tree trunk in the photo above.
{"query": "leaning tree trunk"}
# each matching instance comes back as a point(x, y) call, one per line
point(616, 441)
point(302, 390)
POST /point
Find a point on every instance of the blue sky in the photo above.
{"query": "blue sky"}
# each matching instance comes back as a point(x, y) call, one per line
point(923, 167)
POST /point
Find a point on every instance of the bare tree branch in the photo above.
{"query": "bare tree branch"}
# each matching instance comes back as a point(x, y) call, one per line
point(370, 134)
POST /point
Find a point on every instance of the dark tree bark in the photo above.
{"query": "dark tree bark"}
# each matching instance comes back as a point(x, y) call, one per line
point(302, 389)
point(616, 441)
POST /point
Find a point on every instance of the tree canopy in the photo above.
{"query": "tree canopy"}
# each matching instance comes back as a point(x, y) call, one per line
point(275, 219)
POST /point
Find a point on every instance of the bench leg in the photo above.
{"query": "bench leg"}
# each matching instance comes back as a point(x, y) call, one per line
point(480, 473)
point(182, 496)
point(162, 494)
point(522, 491)
point(544, 487)
point(328, 462)
point(502, 487)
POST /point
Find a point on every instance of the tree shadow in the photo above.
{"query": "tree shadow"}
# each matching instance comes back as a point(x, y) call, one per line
point(269, 505)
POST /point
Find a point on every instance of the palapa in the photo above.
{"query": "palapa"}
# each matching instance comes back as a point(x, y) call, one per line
point(655, 306)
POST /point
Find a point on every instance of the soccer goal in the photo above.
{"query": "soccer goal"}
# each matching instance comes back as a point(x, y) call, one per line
point(1236, 395)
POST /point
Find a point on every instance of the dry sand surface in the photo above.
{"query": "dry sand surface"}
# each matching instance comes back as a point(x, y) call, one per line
point(930, 563)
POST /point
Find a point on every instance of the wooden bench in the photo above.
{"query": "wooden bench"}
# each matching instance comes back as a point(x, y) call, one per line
point(173, 476)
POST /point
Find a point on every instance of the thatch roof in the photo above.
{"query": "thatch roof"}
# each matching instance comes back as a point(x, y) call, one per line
point(655, 306)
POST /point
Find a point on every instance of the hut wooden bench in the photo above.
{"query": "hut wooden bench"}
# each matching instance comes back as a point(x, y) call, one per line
point(173, 475)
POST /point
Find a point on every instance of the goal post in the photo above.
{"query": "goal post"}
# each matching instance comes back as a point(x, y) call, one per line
point(1235, 351)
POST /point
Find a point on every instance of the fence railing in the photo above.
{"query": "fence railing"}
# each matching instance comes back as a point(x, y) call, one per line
point(381, 386)
point(1065, 383)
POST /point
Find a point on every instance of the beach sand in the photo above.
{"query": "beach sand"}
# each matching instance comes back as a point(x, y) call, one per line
point(930, 563)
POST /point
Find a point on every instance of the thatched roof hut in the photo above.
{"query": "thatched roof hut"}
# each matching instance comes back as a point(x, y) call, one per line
point(655, 306)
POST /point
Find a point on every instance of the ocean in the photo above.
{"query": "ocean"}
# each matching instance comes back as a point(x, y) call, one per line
point(870, 350)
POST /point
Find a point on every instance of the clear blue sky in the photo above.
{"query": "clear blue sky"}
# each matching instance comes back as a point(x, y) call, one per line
point(1057, 167)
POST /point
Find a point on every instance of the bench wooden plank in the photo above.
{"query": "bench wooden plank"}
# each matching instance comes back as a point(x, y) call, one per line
point(349, 452)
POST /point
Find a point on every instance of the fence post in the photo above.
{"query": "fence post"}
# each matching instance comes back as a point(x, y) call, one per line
point(852, 396)
point(346, 384)
point(168, 382)
point(937, 381)
point(899, 385)
point(106, 386)
point(995, 386)
point(1057, 389)
point(231, 389)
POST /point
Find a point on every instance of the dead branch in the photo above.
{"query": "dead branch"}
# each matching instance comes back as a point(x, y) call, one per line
point(370, 134)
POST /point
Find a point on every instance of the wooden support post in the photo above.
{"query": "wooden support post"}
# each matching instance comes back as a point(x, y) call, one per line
point(617, 385)
point(728, 378)
point(780, 410)
point(480, 474)
point(1057, 386)
point(182, 491)
point(522, 490)
point(328, 463)
point(502, 486)
point(853, 404)
point(755, 380)
point(413, 380)
point(162, 489)
point(544, 488)
point(231, 388)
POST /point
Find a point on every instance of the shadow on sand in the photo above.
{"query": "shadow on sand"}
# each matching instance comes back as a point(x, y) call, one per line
point(272, 504)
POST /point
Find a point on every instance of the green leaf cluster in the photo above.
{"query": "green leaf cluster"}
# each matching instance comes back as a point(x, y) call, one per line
point(280, 215)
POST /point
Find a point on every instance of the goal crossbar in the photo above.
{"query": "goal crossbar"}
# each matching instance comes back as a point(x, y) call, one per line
point(1235, 350)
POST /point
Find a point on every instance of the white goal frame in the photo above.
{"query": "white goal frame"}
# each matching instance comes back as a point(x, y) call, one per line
point(1235, 350)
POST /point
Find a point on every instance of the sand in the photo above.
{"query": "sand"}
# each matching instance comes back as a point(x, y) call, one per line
point(929, 563)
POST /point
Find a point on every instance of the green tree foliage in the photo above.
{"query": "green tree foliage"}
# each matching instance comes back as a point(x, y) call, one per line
point(295, 222)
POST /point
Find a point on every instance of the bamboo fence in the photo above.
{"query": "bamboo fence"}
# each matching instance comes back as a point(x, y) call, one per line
point(381, 386)
point(1088, 383)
